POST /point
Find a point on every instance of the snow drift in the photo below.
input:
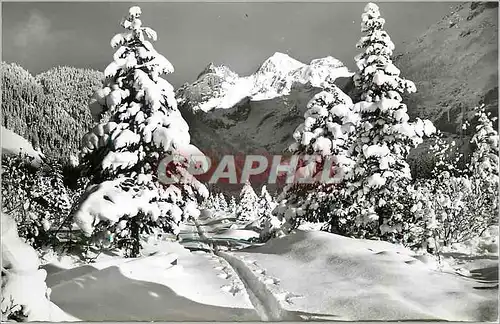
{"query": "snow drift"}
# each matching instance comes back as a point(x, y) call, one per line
point(13, 144)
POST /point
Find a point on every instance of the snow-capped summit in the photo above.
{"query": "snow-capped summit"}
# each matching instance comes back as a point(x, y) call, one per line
point(221, 70)
point(217, 87)
point(279, 63)
point(273, 77)
point(322, 72)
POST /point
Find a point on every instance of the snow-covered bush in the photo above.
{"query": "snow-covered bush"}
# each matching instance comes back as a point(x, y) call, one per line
point(36, 197)
point(379, 182)
point(457, 205)
point(140, 125)
point(246, 210)
point(485, 244)
point(13, 312)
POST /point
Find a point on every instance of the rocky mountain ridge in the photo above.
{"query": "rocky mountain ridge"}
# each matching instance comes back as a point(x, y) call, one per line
point(217, 87)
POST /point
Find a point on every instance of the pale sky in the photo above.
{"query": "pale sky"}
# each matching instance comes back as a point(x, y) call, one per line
point(40, 35)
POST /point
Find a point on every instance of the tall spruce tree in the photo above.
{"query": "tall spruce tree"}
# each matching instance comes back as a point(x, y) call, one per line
point(385, 137)
point(140, 124)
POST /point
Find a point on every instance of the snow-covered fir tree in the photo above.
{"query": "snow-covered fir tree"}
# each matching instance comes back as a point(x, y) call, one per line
point(222, 202)
point(215, 201)
point(381, 176)
point(266, 205)
point(36, 197)
point(327, 133)
point(140, 124)
point(208, 203)
point(247, 207)
point(232, 205)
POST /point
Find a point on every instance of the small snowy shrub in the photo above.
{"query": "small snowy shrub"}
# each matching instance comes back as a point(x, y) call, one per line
point(37, 198)
point(459, 205)
point(139, 125)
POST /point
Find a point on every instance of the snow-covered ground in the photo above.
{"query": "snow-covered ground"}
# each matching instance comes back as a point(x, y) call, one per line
point(199, 286)
point(347, 279)
point(218, 273)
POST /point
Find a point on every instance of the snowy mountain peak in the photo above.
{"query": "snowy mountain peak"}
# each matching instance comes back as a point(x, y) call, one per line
point(210, 68)
point(217, 87)
point(322, 72)
point(220, 70)
point(280, 62)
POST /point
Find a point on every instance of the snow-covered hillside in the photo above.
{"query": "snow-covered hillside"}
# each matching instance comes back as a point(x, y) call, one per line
point(459, 68)
point(218, 87)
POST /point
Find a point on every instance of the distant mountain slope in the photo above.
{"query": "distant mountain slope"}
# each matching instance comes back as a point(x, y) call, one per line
point(251, 126)
point(49, 110)
point(454, 65)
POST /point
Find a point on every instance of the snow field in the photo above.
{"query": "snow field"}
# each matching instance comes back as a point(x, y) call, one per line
point(307, 275)
point(349, 279)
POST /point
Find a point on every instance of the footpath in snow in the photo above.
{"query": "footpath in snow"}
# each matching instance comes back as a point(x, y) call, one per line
point(313, 275)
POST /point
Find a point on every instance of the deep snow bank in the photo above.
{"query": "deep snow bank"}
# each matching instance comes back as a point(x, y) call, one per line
point(13, 144)
point(22, 282)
